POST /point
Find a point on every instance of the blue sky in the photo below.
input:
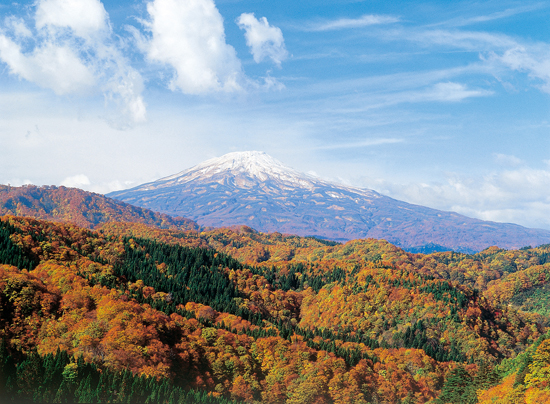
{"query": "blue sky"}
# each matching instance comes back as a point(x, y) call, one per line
point(444, 104)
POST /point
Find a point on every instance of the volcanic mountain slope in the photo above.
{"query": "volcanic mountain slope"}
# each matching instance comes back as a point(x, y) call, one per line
point(85, 209)
point(253, 189)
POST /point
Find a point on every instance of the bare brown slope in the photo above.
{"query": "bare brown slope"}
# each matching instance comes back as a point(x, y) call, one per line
point(85, 209)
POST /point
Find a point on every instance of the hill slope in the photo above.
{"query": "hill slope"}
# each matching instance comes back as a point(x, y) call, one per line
point(253, 189)
point(85, 209)
point(85, 315)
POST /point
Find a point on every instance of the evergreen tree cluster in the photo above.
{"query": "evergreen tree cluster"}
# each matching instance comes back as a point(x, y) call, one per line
point(460, 387)
point(189, 284)
point(415, 337)
point(189, 274)
point(10, 253)
point(56, 378)
point(299, 277)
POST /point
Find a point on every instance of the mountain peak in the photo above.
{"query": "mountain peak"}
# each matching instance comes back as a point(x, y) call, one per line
point(256, 190)
point(252, 162)
point(244, 168)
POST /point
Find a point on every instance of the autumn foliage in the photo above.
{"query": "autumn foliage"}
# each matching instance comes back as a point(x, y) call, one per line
point(251, 317)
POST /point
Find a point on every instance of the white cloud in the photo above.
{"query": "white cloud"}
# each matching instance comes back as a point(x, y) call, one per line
point(17, 182)
point(189, 37)
point(74, 52)
point(344, 23)
point(18, 27)
point(452, 92)
point(112, 186)
point(264, 40)
point(534, 60)
point(507, 160)
point(86, 18)
point(512, 195)
point(123, 92)
point(76, 181)
point(50, 66)
point(364, 143)
point(271, 83)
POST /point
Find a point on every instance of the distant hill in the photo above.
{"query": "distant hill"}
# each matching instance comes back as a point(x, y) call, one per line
point(253, 189)
point(85, 209)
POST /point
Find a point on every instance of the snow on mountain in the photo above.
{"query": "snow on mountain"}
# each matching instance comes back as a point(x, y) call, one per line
point(250, 166)
point(252, 188)
point(247, 169)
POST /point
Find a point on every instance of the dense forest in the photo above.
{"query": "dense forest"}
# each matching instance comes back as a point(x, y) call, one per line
point(136, 314)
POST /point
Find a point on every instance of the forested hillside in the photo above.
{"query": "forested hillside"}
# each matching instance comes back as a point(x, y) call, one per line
point(85, 209)
point(130, 313)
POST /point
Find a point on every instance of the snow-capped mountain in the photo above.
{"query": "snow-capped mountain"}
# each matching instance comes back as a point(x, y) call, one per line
point(252, 188)
point(253, 165)
point(245, 170)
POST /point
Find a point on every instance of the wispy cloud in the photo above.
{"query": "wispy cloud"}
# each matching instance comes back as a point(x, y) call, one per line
point(509, 12)
point(497, 52)
point(264, 40)
point(378, 89)
point(438, 92)
point(347, 23)
point(363, 143)
point(511, 195)
point(467, 40)
point(507, 160)
point(451, 92)
point(531, 59)
point(370, 99)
